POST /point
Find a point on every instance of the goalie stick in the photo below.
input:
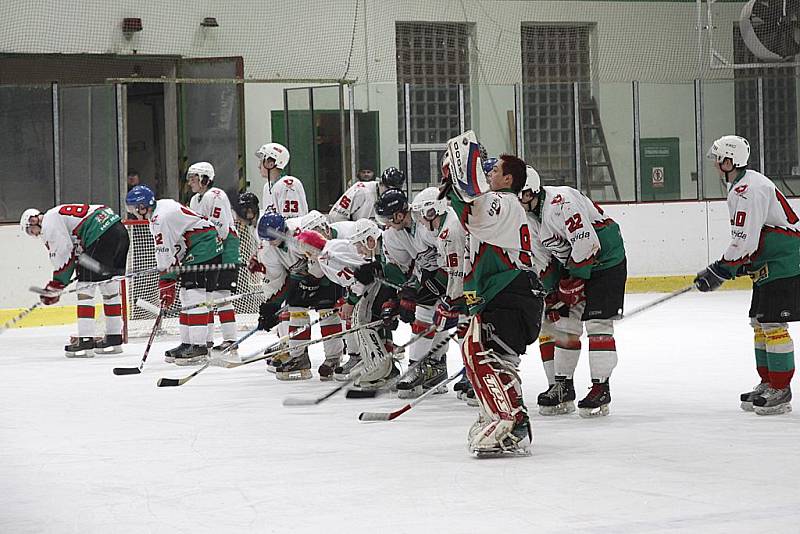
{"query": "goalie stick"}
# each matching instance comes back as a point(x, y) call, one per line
point(137, 370)
point(354, 374)
point(172, 382)
point(389, 416)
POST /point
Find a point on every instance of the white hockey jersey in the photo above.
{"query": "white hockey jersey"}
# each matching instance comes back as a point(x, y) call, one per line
point(215, 206)
point(67, 227)
point(338, 262)
point(451, 247)
point(286, 196)
point(765, 230)
point(400, 248)
point(570, 227)
point(343, 229)
point(281, 261)
point(358, 202)
point(182, 236)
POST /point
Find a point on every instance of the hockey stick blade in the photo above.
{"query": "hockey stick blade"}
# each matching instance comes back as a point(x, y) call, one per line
point(369, 417)
point(126, 371)
point(168, 382)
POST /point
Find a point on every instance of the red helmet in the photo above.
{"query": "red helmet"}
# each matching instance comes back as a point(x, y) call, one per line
point(311, 241)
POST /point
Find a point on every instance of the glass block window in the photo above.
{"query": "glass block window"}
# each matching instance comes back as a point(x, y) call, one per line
point(434, 59)
point(780, 117)
point(553, 58)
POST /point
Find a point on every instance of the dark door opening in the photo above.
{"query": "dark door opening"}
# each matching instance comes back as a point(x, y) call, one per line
point(146, 135)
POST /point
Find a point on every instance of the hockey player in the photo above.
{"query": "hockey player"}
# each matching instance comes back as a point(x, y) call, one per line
point(97, 231)
point(213, 204)
point(286, 272)
point(765, 244)
point(590, 292)
point(500, 292)
point(358, 202)
point(282, 194)
point(246, 209)
point(356, 265)
point(182, 237)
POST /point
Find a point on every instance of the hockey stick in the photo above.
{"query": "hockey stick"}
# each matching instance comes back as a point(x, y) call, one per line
point(656, 302)
point(138, 370)
point(354, 374)
point(24, 313)
point(389, 416)
point(372, 393)
point(171, 382)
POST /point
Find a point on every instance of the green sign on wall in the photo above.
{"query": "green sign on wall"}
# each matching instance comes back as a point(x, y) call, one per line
point(660, 163)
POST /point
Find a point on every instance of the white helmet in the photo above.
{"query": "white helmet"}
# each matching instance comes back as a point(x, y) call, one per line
point(313, 220)
point(202, 168)
point(364, 229)
point(275, 151)
point(25, 220)
point(428, 205)
point(730, 146)
point(532, 181)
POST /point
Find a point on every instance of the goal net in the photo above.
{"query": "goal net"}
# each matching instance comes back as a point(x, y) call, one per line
point(141, 256)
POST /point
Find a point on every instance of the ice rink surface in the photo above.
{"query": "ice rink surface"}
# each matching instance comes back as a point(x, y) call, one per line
point(82, 450)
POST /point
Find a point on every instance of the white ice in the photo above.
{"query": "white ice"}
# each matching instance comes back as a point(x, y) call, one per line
point(83, 450)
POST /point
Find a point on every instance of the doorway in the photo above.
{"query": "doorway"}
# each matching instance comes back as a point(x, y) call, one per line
point(146, 149)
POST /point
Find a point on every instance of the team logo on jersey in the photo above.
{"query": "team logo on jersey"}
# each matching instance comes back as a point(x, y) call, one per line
point(558, 199)
point(740, 190)
point(289, 183)
point(444, 234)
point(101, 216)
point(154, 219)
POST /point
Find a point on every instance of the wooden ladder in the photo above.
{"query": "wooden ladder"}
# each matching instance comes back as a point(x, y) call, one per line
point(597, 170)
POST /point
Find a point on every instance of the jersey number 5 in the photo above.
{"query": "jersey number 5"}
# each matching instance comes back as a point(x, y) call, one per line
point(216, 212)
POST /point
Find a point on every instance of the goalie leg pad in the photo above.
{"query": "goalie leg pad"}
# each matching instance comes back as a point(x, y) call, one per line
point(499, 390)
point(377, 363)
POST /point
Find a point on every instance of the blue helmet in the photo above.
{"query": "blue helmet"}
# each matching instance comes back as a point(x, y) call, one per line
point(488, 165)
point(271, 223)
point(141, 195)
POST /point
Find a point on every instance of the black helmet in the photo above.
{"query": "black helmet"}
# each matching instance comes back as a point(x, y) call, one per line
point(390, 202)
point(247, 202)
point(393, 178)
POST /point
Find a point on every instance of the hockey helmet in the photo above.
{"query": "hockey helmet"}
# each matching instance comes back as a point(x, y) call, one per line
point(140, 196)
point(276, 151)
point(311, 242)
point(392, 201)
point(25, 220)
point(271, 226)
point(247, 202)
point(313, 220)
point(364, 229)
point(427, 204)
point(532, 181)
point(730, 146)
point(393, 178)
point(488, 165)
point(204, 170)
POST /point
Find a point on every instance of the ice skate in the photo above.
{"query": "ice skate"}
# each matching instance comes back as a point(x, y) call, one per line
point(110, 344)
point(773, 401)
point(502, 438)
point(430, 374)
point(596, 402)
point(297, 368)
point(559, 399)
point(327, 368)
point(747, 398)
point(342, 372)
point(169, 355)
point(276, 361)
point(465, 391)
point(190, 355)
point(219, 349)
point(82, 348)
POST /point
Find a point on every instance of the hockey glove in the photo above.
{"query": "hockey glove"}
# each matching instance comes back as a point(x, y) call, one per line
point(711, 277)
point(570, 291)
point(268, 316)
point(447, 311)
point(553, 307)
point(389, 313)
point(255, 266)
point(308, 288)
point(432, 283)
point(408, 304)
point(56, 287)
point(166, 292)
point(366, 273)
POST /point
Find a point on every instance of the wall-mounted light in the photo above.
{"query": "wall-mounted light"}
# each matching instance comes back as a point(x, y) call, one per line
point(209, 22)
point(131, 26)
